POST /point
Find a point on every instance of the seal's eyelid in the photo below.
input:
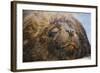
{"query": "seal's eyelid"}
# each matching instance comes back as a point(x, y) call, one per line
point(53, 32)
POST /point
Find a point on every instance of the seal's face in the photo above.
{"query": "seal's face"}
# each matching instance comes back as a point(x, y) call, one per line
point(63, 42)
point(59, 35)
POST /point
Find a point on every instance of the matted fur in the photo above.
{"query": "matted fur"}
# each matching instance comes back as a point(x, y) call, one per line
point(53, 36)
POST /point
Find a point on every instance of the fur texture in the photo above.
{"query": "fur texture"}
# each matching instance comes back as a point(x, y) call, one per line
point(53, 36)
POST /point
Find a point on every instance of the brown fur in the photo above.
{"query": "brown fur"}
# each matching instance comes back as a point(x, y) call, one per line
point(40, 44)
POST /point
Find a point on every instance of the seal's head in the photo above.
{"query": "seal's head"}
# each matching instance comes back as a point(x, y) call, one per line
point(53, 36)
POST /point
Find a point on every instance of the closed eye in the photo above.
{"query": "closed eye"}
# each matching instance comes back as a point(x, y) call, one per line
point(53, 32)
